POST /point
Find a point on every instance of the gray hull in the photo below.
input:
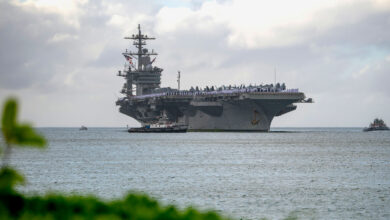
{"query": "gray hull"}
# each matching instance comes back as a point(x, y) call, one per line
point(243, 116)
point(245, 112)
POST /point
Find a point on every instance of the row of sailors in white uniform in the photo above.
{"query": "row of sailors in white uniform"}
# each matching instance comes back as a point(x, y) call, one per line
point(231, 91)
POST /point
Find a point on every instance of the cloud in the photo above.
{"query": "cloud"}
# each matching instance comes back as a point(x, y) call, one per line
point(39, 46)
point(69, 10)
point(263, 24)
point(62, 37)
point(56, 58)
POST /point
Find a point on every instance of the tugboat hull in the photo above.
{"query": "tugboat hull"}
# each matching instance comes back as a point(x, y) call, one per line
point(377, 125)
point(376, 129)
point(174, 129)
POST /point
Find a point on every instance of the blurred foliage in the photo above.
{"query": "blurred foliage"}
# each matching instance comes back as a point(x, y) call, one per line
point(9, 178)
point(133, 206)
point(15, 133)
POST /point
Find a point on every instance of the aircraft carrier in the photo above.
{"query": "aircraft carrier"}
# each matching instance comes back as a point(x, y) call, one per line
point(223, 108)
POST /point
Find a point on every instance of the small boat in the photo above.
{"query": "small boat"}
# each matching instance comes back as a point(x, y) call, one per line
point(160, 128)
point(83, 128)
point(377, 125)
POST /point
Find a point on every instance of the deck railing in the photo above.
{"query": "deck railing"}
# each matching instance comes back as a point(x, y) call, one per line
point(220, 92)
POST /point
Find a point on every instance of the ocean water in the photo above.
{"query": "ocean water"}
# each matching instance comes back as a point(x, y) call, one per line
point(312, 173)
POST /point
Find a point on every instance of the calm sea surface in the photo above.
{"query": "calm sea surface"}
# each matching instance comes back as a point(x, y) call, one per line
point(313, 173)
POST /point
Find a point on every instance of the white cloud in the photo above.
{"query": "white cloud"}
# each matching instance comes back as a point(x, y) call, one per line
point(264, 24)
point(62, 37)
point(170, 19)
point(362, 71)
point(70, 10)
point(117, 20)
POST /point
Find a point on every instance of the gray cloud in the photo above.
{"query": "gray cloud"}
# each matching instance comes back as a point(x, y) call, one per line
point(40, 46)
point(25, 56)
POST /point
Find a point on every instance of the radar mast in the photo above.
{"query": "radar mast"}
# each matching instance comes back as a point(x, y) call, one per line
point(139, 42)
point(145, 77)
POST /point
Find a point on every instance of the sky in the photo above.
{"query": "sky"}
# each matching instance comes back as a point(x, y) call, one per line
point(60, 57)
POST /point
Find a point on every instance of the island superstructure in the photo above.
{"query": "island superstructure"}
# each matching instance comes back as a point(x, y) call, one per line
point(224, 108)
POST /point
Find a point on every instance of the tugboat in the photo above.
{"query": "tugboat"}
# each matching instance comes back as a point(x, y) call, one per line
point(377, 125)
point(160, 128)
point(163, 125)
point(83, 128)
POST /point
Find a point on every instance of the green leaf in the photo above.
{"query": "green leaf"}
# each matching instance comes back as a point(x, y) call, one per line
point(8, 121)
point(18, 134)
point(8, 179)
point(25, 135)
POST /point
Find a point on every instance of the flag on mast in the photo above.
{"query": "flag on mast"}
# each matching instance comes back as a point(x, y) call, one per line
point(128, 58)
